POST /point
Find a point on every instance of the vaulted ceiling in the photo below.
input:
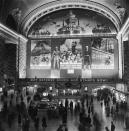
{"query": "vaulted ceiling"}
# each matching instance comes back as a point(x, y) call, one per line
point(27, 12)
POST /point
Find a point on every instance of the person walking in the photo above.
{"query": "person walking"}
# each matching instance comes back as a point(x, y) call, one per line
point(66, 103)
point(64, 116)
point(71, 107)
point(66, 129)
point(27, 124)
point(89, 110)
point(44, 123)
point(19, 120)
point(9, 120)
point(106, 128)
point(60, 128)
point(36, 123)
point(112, 126)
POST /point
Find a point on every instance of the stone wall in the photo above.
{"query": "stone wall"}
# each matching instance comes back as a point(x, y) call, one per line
point(7, 61)
point(2, 59)
point(10, 60)
point(126, 60)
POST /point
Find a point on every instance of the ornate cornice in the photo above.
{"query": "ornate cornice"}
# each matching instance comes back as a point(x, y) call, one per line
point(124, 32)
point(57, 5)
point(11, 36)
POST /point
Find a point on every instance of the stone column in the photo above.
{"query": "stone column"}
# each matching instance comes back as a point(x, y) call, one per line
point(120, 48)
point(127, 113)
point(127, 79)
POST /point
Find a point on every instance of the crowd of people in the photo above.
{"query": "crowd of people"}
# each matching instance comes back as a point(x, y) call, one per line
point(84, 109)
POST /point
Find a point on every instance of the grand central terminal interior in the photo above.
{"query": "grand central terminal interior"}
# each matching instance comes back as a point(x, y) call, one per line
point(64, 65)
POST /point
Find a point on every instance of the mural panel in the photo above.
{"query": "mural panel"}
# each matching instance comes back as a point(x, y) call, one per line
point(72, 21)
point(40, 54)
point(71, 54)
point(73, 57)
point(103, 53)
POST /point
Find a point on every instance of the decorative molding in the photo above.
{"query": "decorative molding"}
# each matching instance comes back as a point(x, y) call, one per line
point(50, 7)
point(10, 36)
point(124, 32)
point(16, 13)
point(73, 36)
point(22, 59)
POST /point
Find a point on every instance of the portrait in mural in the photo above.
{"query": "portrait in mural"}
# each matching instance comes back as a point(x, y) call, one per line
point(56, 58)
point(71, 54)
point(40, 54)
point(103, 53)
point(87, 57)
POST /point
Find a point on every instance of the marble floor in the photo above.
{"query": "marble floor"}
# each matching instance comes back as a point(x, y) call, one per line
point(73, 121)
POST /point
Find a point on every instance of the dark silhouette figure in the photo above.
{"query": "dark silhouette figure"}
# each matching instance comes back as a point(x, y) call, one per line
point(112, 126)
point(66, 103)
point(9, 120)
point(60, 128)
point(19, 119)
point(106, 128)
point(36, 123)
point(71, 107)
point(44, 123)
point(64, 116)
point(66, 129)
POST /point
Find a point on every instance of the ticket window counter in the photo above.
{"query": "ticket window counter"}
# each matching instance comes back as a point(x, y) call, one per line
point(69, 92)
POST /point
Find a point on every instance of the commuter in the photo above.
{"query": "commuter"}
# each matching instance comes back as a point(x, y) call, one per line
point(66, 103)
point(89, 120)
point(36, 123)
point(66, 129)
point(75, 109)
point(112, 111)
point(106, 128)
point(64, 116)
point(60, 128)
point(71, 107)
point(96, 122)
point(80, 116)
point(44, 123)
point(61, 104)
point(23, 124)
point(117, 107)
point(114, 100)
point(82, 102)
point(1, 127)
point(19, 119)
point(89, 110)
point(81, 127)
point(87, 103)
point(27, 124)
point(78, 106)
point(101, 103)
point(91, 99)
point(92, 109)
point(112, 126)
point(9, 120)
point(108, 111)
